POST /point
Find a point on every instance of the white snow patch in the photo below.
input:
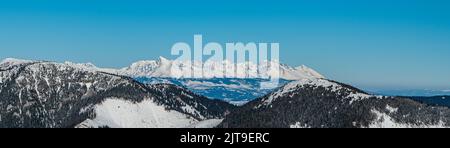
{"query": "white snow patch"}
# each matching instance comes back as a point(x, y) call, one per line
point(238, 103)
point(191, 110)
point(358, 96)
point(391, 109)
point(88, 85)
point(299, 125)
point(385, 121)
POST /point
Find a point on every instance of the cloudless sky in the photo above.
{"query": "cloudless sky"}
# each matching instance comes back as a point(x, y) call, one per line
point(401, 44)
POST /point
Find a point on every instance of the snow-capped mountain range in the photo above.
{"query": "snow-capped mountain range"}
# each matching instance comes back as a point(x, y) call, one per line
point(162, 68)
point(236, 90)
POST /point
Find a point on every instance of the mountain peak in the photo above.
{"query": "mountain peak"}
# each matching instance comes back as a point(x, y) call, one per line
point(163, 59)
point(162, 68)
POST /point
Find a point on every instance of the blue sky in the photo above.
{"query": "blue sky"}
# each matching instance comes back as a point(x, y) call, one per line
point(372, 43)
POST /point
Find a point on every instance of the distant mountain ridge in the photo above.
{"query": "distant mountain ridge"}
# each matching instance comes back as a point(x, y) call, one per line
point(161, 68)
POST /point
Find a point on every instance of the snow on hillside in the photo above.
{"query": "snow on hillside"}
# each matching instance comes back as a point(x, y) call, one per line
point(329, 85)
point(8, 67)
point(162, 68)
point(118, 113)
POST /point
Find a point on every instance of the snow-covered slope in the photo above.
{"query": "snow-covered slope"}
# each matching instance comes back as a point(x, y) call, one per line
point(334, 87)
point(48, 94)
point(117, 113)
point(320, 103)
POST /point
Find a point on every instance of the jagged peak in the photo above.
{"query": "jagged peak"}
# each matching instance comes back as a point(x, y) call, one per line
point(163, 59)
